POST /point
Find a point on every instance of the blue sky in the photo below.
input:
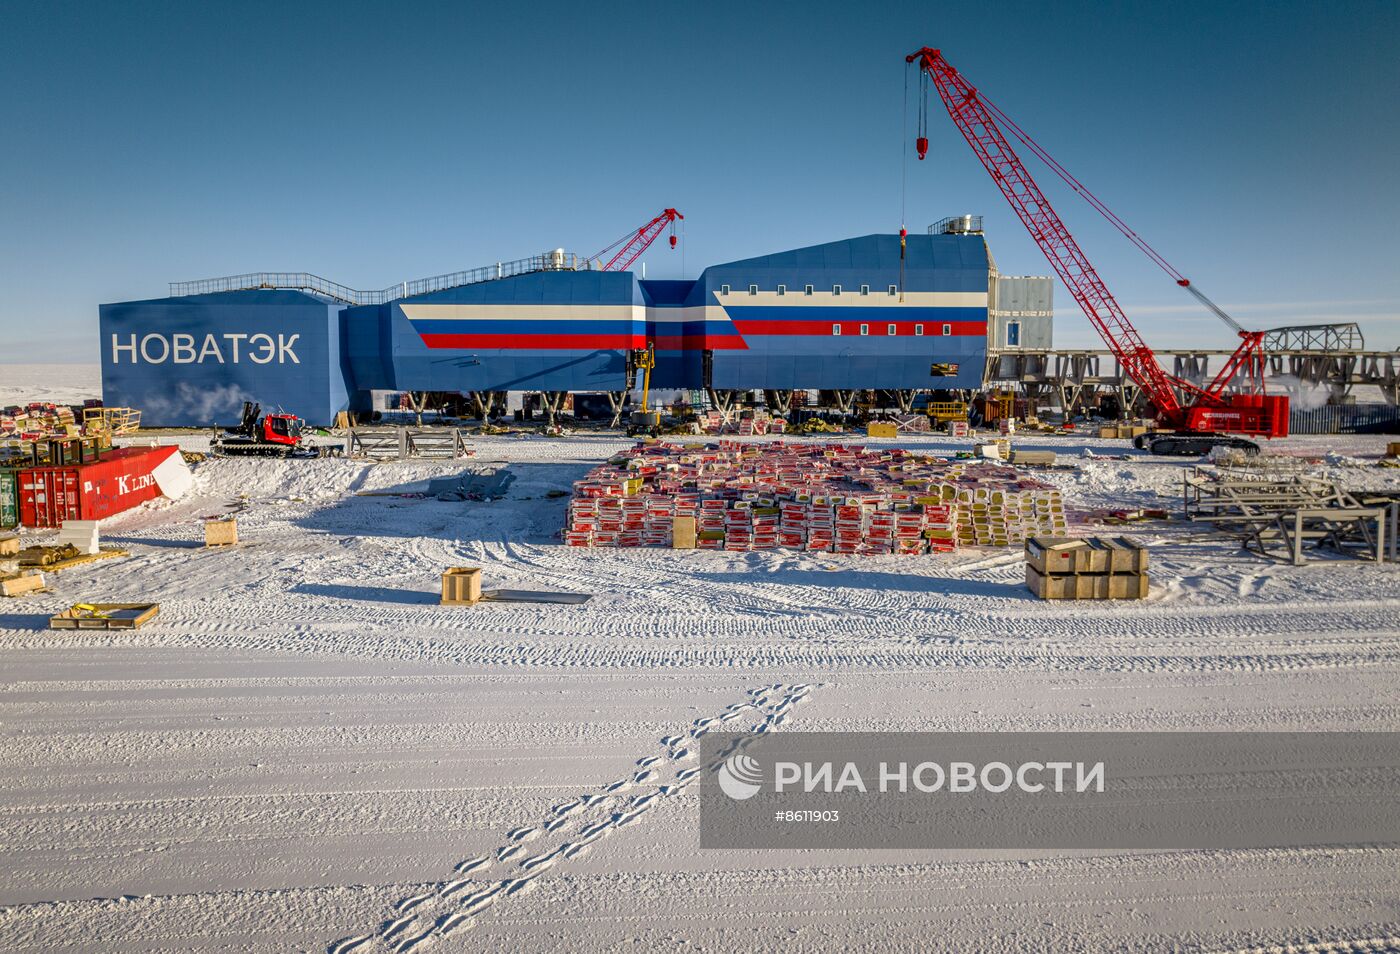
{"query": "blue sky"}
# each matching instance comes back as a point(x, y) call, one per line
point(1254, 144)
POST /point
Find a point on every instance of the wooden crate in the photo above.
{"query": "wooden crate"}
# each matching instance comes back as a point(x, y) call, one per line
point(1062, 555)
point(220, 533)
point(683, 533)
point(105, 616)
point(9, 544)
point(461, 586)
point(1033, 458)
point(1392, 449)
point(1087, 586)
point(882, 429)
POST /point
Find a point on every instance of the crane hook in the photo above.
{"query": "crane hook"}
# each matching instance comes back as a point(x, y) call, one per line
point(921, 146)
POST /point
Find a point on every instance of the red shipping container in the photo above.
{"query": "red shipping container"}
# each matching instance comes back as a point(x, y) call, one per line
point(119, 481)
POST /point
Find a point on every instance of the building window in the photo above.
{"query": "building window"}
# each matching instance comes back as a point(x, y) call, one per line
point(894, 289)
point(1013, 334)
point(836, 289)
point(892, 331)
point(724, 289)
point(836, 329)
point(807, 290)
point(753, 289)
point(865, 329)
point(782, 289)
point(918, 329)
point(865, 289)
point(947, 329)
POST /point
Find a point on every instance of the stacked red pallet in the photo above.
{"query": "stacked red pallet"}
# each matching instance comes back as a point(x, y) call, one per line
point(828, 498)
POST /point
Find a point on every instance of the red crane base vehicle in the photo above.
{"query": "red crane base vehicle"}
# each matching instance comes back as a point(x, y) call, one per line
point(1200, 417)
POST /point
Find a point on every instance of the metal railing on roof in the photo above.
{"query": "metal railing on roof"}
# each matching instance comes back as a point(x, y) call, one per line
point(956, 224)
point(554, 261)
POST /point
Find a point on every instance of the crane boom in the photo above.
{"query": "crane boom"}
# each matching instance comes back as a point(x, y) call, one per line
point(1207, 408)
point(629, 248)
point(974, 120)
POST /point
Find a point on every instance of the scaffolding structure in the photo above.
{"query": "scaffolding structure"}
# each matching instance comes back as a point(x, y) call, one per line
point(1291, 517)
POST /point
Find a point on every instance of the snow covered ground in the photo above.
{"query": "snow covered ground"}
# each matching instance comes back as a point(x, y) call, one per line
point(306, 752)
point(54, 383)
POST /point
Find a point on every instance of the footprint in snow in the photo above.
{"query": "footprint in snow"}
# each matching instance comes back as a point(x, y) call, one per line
point(452, 887)
point(522, 834)
point(471, 864)
point(408, 904)
point(539, 862)
point(648, 760)
point(347, 944)
point(520, 885)
point(505, 854)
point(686, 775)
point(449, 922)
point(619, 785)
point(390, 928)
point(645, 775)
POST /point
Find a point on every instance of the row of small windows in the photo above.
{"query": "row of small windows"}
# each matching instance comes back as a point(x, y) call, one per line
point(891, 329)
point(809, 289)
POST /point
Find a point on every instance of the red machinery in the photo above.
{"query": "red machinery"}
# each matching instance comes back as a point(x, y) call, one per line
point(633, 244)
point(263, 435)
point(1195, 412)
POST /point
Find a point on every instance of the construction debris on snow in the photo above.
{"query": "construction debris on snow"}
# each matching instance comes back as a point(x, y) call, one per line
point(833, 498)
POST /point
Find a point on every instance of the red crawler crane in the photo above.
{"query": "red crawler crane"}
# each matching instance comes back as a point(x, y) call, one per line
point(633, 244)
point(1196, 413)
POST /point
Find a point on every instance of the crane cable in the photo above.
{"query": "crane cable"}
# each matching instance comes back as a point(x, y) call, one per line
point(903, 178)
point(1100, 207)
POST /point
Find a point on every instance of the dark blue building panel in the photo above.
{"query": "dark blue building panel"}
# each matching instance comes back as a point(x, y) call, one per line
point(193, 361)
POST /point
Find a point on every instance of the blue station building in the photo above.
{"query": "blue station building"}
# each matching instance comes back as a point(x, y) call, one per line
point(845, 315)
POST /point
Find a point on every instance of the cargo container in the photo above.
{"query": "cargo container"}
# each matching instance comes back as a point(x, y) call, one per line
point(119, 481)
point(1346, 419)
point(9, 499)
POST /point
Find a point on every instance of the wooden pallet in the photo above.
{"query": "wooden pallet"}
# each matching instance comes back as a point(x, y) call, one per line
point(78, 560)
point(105, 616)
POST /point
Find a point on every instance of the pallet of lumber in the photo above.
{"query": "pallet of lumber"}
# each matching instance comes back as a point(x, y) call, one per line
point(53, 559)
point(105, 616)
point(31, 582)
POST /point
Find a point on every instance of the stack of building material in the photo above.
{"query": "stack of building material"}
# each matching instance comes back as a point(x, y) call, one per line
point(833, 498)
point(1289, 517)
point(36, 421)
point(1094, 568)
point(1121, 431)
point(912, 423)
point(81, 534)
point(758, 423)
